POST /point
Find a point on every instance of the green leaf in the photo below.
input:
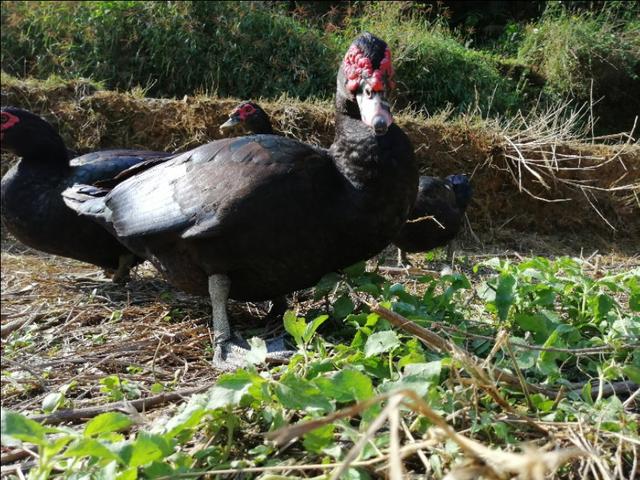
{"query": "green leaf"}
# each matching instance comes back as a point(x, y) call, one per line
point(189, 417)
point(632, 372)
point(634, 302)
point(230, 389)
point(343, 306)
point(107, 422)
point(536, 322)
point(505, 295)
point(258, 352)
point(295, 327)
point(356, 269)
point(146, 448)
point(319, 438)
point(311, 328)
point(300, 394)
point(429, 372)
point(89, 447)
point(16, 427)
point(381, 342)
point(346, 386)
point(128, 474)
point(586, 393)
point(326, 285)
point(52, 401)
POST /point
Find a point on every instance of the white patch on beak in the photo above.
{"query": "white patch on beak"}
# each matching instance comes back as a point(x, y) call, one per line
point(374, 111)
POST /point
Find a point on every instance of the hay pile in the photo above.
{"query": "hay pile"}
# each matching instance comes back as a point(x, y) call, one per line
point(528, 179)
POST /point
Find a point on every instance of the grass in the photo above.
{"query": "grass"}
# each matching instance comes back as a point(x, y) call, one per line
point(568, 328)
point(589, 56)
point(244, 49)
point(260, 49)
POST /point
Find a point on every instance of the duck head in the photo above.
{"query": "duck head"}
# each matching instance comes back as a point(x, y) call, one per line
point(365, 78)
point(249, 117)
point(29, 136)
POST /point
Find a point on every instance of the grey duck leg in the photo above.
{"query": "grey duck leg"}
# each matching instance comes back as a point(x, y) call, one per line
point(229, 349)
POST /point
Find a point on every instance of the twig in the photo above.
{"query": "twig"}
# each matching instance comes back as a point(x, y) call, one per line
point(443, 345)
point(140, 405)
point(10, 327)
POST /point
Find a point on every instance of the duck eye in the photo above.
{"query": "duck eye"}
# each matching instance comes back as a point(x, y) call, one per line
point(5, 118)
point(367, 91)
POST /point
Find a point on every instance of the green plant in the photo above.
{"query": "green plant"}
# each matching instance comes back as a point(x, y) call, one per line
point(591, 56)
point(560, 324)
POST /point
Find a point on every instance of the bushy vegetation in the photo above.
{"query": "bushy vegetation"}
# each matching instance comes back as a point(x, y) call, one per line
point(262, 49)
point(242, 49)
point(589, 56)
point(555, 323)
point(169, 48)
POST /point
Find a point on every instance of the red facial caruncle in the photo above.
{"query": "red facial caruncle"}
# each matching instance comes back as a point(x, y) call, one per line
point(8, 121)
point(357, 67)
point(245, 111)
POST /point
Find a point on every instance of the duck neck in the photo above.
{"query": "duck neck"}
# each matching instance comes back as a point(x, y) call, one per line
point(45, 151)
point(355, 148)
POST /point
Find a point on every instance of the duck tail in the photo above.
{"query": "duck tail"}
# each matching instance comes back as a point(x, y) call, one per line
point(88, 201)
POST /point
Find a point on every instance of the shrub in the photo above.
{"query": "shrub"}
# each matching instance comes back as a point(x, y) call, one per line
point(171, 48)
point(572, 50)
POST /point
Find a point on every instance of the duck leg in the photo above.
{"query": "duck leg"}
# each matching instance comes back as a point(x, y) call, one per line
point(403, 261)
point(230, 349)
point(125, 263)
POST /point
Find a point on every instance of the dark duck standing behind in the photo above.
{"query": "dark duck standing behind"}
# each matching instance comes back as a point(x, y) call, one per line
point(32, 206)
point(437, 214)
point(256, 217)
point(250, 117)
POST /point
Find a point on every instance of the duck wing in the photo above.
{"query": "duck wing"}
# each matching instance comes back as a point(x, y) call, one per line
point(219, 185)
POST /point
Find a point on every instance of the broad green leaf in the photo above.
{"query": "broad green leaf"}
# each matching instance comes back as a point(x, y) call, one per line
point(356, 269)
point(311, 328)
point(89, 447)
point(632, 372)
point(319, 438)
point(429, 372)
point(536, 322)
point(381, 342)
point(505, 295)
point(107, 422)
point(346, 386)
point(128, 474)
point(295, 326)
point(17, 427)
point(634, 302)
point(326, 285)
point(343, 306)
point(258, 352)
point(52, 402)
point(189, 417)
point(300, 394)
point(230, 389)
point(146, 448)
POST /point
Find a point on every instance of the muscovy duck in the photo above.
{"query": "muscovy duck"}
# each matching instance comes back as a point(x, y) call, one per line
point(440, 204)
point(250, 117)
point(32, 206)
point(437, 214)
point(257, 217)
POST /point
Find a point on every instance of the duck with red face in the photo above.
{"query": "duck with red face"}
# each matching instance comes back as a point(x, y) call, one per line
point(32, 207)
point(247, 117)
